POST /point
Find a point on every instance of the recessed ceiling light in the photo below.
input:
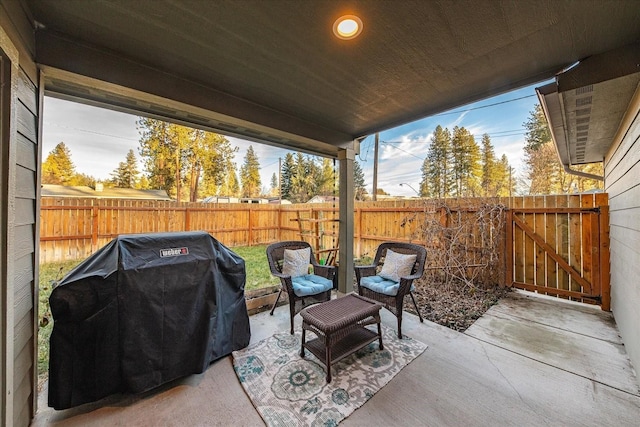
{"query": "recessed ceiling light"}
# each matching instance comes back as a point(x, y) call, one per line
point(347, 27)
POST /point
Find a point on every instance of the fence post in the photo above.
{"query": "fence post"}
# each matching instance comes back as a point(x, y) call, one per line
point(250, 233)
point(508, 251)
point(604, 259)
point(94, 227)
point(279, 229)
point(359, 237)
point(187, 219)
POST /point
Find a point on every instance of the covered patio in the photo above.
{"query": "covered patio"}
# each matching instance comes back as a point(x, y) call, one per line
point(530, 360)
point(272, 72)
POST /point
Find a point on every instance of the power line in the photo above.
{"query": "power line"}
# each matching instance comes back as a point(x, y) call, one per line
point(483, 106)
point(367, 153)
point(506, 131)
point(266, 166)
point(501, 136)
point(503, 133)
point(89, 131)
point(404, 151)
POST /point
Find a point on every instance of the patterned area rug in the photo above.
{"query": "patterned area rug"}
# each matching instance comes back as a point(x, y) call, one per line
point(290, 391)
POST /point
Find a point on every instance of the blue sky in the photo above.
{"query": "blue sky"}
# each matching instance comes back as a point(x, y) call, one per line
point(99, 139)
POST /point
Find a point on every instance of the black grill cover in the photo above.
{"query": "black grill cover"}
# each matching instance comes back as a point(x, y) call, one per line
point(143, 310)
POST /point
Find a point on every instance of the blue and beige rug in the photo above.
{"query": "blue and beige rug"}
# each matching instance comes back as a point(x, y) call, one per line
point(290, 391)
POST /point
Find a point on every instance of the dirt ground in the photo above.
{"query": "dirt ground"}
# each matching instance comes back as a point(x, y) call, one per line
point(455, 308)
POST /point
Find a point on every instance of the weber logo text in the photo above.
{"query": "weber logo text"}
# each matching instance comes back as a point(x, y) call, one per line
point(173, 252)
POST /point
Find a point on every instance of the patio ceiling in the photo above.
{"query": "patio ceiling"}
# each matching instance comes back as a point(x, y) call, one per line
point(273, 71)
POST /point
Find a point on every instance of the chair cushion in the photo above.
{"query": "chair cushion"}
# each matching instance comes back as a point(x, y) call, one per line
point(296, 262)
point(381, 285)
point(310, 284)
point(397, 265)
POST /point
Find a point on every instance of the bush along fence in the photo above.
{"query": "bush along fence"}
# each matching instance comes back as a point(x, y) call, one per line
point(538, 243)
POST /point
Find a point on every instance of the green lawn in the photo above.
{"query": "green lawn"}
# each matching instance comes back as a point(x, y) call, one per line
point(258, 276)
point(258, 273)
point(49, 274)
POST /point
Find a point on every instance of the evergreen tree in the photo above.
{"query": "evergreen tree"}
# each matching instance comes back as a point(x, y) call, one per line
point(490, 169)
point(436, 169)
point(537, 133)
point(465, 164)
point(58, 168)
point(358, 182)
point(250, 174)
point(126, 174)
point(230, 185)
point(505, 181)
point(299, 180)
point(286, 176)
point(305, 178)
point(327, 180)
point(274, 190)
point(543, 169)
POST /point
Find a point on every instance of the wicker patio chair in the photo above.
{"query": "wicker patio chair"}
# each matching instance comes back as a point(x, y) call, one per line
point(390, 289)
point(304, 289)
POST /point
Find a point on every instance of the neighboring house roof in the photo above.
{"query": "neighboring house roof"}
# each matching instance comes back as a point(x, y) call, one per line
point(50, 190)
point(323, 199)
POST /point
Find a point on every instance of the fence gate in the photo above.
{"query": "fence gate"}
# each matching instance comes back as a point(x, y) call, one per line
point(559, 245)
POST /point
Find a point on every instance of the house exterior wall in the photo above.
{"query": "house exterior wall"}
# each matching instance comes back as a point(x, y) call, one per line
point(19, 157)
point(622, 182)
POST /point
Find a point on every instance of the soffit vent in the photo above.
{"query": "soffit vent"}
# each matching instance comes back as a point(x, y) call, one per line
point(584, 89)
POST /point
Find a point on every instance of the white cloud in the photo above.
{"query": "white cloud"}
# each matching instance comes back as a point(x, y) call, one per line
point(457, 121)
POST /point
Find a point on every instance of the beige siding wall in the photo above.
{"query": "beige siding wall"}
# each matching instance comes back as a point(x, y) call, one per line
point(622, 182)
point(18, 219)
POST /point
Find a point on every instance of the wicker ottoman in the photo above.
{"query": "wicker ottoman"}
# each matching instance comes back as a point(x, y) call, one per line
point(340, 328)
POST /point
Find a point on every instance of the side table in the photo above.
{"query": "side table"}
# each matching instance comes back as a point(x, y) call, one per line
point(340, 328)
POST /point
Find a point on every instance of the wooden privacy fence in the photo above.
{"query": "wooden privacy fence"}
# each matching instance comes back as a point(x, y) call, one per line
point(551, 244)
point(74, 228)
point(559, 246)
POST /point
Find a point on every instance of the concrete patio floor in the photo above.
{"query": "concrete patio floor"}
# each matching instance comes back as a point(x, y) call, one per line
point(529, 361)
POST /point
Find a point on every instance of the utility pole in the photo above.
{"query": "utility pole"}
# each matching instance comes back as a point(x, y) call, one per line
point(375, 168)
point(280, 179)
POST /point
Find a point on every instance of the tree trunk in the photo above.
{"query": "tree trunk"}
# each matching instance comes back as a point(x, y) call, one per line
point(178, 174)
point(195, 178)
